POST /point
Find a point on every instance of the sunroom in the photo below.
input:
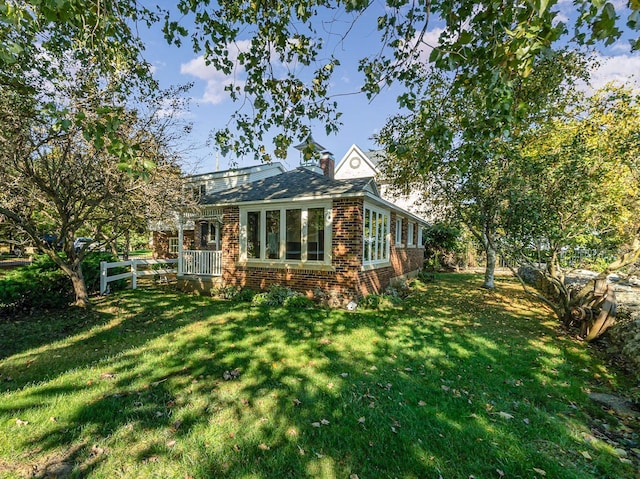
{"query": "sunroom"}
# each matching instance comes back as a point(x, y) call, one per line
point(304, 230)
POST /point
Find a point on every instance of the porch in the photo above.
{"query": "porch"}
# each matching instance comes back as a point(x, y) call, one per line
point(200, 263)
point(206, 261)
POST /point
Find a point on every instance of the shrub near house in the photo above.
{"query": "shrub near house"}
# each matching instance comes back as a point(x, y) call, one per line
point(43, 285)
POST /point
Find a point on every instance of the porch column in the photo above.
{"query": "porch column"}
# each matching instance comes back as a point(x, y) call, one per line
point(180, 241)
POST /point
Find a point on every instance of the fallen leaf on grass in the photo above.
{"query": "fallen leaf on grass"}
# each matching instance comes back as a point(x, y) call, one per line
point(361, 420)
point(445, 388)
point(296, 401)
point(324, 422)
point(176, 425)
point(96, 450)
point(264, 447)
point(171, 443)
point(505, 415)
point(500, 472)
point(301, 451)
point(354, 476)
point(422, 403)
point(586, 455)
point(233, 374)
point(315, 424)
point(542, 472)
point(20, 422)
point(344, 375)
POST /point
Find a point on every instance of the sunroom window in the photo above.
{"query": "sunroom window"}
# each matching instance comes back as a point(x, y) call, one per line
point(253, 234)
point(300, 234)
point(273, 234)
point(375, 236)
point(398, 231)
point(294, 234)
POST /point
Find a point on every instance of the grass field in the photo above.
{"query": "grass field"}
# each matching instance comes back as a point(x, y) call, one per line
point(458, 382)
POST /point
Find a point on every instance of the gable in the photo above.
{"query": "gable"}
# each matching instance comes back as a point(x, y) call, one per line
point(355, 164)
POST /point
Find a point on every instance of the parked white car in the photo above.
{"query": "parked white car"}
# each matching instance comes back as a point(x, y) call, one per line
point(81, 243)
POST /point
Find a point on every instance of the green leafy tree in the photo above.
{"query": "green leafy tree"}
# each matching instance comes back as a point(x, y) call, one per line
point(441, 239)
point(84, 165)
point(491, 44)
point(578, 185)
point(460, 145)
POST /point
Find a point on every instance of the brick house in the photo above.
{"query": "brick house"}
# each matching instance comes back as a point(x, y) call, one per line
point(302, 229)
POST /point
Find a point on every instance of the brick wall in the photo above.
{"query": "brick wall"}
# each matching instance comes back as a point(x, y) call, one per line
point(161, 242)
point(403, 261)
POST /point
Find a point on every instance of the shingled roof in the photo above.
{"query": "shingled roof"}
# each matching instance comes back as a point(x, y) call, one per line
point(298, 183)
point(375, 156)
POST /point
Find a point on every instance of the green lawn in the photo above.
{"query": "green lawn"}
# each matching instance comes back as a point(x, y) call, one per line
point(458, 382)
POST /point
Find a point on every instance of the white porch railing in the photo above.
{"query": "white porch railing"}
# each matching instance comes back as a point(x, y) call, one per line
point(202, 263)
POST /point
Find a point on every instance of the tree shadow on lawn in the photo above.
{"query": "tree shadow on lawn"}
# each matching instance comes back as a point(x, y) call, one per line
point(394, 393)
point(131, 320)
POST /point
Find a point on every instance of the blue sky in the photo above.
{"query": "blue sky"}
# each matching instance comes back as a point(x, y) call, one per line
point(361, 118)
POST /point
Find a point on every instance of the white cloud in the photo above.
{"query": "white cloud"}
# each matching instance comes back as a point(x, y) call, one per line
point(621, 69)
point(621, 46)
point(425, 46)
point(216, 81)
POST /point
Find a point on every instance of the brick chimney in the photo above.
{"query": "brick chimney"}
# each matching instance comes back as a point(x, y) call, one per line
point(327, 163)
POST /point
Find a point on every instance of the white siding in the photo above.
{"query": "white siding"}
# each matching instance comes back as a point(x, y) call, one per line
point(222, 180)
point(355, 164)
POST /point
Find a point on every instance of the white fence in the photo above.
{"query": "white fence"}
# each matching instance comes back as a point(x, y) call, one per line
point(138, 268)
point(202, 263)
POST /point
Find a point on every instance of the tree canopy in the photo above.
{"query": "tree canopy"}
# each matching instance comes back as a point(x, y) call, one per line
point(83, 164)
point(491, 43)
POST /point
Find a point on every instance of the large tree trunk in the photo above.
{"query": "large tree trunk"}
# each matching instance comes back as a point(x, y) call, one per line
point(491, 254)
point(74, 271)
point(592, 307)
point(79, 288)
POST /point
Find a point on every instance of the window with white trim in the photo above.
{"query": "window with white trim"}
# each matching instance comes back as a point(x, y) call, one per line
point(398, 231)
point(197, 192)
point(210, 234)
point(173, 245)
point(420, 229)
point(286, 234)
point(410, 228)
point(375, 236)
